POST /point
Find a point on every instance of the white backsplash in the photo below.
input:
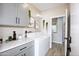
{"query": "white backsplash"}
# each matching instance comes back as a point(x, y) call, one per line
point(5, 32)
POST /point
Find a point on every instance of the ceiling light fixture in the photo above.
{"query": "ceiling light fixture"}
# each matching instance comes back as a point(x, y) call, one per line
point(25, 5)
point(38, 15)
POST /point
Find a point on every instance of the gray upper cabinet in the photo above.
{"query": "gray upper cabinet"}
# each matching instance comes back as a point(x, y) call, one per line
point(8, 14)
point(13, 14)
point(22, 14)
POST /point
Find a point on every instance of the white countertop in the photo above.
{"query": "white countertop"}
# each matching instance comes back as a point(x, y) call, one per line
point(12, 44)
point(9, 45)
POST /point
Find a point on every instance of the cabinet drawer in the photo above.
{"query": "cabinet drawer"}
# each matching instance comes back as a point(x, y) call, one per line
point(16, 50)
point(27, 52)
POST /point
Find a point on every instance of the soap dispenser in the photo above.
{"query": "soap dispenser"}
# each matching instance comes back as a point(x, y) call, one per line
point(1, 40)
point(14, 35)
point(26, 34)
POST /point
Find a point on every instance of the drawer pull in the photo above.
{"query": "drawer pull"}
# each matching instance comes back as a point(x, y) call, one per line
point(23, 48)
point(16, 20)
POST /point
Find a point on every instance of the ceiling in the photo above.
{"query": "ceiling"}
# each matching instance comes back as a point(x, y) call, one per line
point(46, 6)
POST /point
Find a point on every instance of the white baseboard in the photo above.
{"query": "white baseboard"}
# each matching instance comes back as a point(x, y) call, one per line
point(57, 42)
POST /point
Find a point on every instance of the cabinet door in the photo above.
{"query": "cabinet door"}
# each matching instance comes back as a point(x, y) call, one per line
point(21, 54)
point(30, 51)
point(8, 14)
point(23, 18)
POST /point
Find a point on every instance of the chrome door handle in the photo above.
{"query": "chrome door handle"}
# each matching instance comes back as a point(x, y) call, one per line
point(70, 39)
point(65, 38)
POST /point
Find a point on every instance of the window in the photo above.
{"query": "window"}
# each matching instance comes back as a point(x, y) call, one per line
point(54, 24)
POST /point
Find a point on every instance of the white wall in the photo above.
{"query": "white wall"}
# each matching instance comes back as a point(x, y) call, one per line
point(74, 11)
point(47, 19)
point(34, 10)
point(5, 32)
point(52, 13)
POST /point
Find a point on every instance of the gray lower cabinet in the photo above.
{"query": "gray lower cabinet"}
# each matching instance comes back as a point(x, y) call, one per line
point(27, 52)
point(23, 50)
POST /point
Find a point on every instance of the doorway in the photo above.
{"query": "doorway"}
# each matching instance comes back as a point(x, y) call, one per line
point(58, 48)
point(58, 29)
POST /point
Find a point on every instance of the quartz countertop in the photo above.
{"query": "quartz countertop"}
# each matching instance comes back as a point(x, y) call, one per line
point(12, 44)
point(30, 37)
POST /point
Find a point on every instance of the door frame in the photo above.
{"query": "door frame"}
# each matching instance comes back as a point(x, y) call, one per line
point(64, 16)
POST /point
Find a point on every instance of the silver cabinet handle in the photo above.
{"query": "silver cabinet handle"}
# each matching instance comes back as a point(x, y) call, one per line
point(19, 20)
point(23, 48)
point(16, 20)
